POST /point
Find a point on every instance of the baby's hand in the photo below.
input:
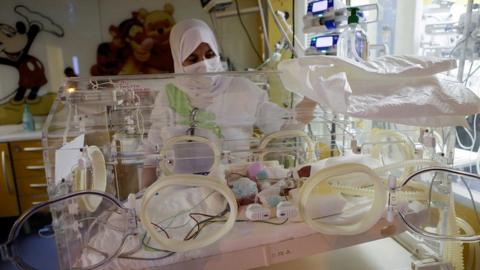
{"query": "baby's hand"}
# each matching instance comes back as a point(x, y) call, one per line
point(304, 110)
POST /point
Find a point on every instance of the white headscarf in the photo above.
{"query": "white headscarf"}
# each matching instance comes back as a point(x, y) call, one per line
point(185, 37)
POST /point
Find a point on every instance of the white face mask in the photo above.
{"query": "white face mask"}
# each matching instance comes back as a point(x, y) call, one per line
point(203, 84)
point(208, 65)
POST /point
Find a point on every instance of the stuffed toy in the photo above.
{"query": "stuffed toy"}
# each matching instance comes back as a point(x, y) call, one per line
point(140, 45)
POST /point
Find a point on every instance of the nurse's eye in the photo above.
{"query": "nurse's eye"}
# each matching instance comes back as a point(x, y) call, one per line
point(210, 54)
point(192, 59)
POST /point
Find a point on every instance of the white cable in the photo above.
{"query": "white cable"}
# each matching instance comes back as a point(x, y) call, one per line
point(188, 180)
point(469, 135)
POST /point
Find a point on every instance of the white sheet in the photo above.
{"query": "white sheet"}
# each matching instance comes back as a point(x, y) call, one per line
point(399, 89)
point(244, 235)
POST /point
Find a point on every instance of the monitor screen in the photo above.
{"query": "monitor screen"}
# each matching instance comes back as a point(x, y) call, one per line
point(324, 42)
point(319, 6)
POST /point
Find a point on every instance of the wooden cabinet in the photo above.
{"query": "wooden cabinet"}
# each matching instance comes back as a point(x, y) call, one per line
point(29, 173)
point(22, 177)
point(8, 192)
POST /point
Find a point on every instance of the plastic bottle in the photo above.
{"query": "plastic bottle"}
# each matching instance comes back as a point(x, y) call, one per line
point(352, 43)
point(28, 122)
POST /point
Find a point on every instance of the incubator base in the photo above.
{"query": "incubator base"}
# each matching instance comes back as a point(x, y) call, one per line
point(252, 245)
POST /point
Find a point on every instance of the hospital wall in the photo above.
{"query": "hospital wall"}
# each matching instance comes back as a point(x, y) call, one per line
point(86, 24)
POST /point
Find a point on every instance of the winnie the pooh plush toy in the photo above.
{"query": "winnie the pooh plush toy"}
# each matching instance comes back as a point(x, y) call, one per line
point(157, 25)
point(140, 44)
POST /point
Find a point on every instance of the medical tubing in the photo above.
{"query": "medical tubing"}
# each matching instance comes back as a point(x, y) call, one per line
point(188, 180)
point(429, 235)
point(469, 135)
point(287, 26)
point(207, 221)
point(264, 30)
point(471, 198)
point(468, 20)
point(280, 28)
point(453, 250)
point(474, 126)
point(146, 259)
point(17, 226)
point(173, 217)
point(130, 257)
point(474, 248)
point(442, 169)
point(406, 163)
point(453, 253)
point(406, 195)
point(369, 192)
point(376, 210)
point(478, 161)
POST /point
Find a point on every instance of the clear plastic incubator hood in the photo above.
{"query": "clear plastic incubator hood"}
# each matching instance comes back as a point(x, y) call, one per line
point(148, 171)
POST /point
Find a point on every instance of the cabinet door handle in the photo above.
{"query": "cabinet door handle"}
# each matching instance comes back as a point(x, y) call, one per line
point(38, 185)
point(32, 149)
point(5, 173)
point(35, 167)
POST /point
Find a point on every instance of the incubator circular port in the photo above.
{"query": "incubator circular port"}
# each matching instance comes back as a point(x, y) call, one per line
point(184, 212)
point(344, 199)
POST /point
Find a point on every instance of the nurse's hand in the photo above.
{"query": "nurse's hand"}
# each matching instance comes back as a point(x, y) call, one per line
point(304, 111)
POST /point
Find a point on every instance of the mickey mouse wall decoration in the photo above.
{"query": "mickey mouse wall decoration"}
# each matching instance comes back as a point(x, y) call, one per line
point(15, 43)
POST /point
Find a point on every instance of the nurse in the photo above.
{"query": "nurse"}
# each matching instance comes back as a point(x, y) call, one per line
point(235, 104)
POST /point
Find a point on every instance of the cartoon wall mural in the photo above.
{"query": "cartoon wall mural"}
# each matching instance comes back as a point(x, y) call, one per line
point(15, 43)
point(139, 45)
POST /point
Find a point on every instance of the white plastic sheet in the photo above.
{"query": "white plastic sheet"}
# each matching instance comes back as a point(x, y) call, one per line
point(400, 89)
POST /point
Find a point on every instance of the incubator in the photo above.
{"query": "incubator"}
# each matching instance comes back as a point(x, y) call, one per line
point(221, 187)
